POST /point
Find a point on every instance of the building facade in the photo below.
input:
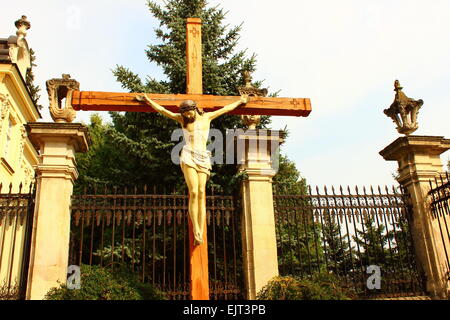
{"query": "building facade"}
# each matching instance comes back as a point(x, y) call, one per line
point(17, 154)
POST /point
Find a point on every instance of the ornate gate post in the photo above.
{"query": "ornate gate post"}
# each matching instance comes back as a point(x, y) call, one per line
point(56, 173)
point(419, 161)
point(259, 163)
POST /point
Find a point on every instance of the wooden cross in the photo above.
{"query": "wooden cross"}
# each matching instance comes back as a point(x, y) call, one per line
point(110, 101)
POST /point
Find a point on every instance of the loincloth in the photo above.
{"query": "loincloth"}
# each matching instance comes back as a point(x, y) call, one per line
point(197, 159)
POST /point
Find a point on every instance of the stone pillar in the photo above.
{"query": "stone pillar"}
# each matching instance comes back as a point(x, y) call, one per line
point(419, 161)
point(55, 176)
point(259, 245)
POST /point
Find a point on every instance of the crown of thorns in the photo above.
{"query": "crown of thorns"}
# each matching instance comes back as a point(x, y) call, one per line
point(187, 105)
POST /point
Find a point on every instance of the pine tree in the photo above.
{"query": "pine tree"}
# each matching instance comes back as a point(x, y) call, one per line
point(373, 240)
point(336, 246)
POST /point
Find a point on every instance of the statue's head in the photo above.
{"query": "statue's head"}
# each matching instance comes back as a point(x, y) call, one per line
point(188, 110)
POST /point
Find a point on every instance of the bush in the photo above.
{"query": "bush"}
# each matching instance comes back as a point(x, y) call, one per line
point(317, 287)
point(99, 283)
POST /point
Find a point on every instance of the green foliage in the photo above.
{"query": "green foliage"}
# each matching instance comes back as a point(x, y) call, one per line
point(288, 179)
point(336, 246)
point(32, 88)
point(98, 283)
point(373, 240)
point(321, 286)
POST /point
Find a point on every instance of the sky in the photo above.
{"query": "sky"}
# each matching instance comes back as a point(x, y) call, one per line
point(343, 55)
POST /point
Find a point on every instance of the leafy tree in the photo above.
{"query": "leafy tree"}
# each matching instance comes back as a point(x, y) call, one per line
point(288, 179)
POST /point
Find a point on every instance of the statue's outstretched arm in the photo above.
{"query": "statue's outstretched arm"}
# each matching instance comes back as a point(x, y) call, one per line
point(243, 100)
point(174, 116)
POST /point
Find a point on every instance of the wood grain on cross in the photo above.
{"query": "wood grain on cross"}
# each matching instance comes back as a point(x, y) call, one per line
point(111, 101)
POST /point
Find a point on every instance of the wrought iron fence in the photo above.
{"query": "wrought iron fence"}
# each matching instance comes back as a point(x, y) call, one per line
point(16, 220)
point(343, 233)
point(148, 231)
point(440, 209)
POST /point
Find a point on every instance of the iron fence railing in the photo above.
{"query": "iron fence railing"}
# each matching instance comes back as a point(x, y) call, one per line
point(440, 210)
point(344, 233)
point(16, 220)
point(148, 231)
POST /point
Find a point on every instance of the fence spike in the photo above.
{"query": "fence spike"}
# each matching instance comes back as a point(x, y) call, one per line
point(20, 187)
point(371, 189)
point(10, 187)
point(1, 186)
point(332, 190)
point(341, 190)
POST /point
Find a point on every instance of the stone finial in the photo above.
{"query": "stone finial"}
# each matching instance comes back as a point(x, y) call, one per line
point(22, 26)
point(251, 121)
point(59, 89)
point(249, 89)
point(404, 111)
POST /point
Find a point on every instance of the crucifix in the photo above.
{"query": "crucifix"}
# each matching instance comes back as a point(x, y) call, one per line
point(184, 108)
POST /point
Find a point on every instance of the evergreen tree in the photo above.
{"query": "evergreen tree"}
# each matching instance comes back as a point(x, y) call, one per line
point(339, 255)
point(373, 240)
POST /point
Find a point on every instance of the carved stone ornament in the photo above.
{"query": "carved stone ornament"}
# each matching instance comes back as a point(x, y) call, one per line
point(17, 46)
point(251, 121)
point(404, 111)
point(58, 89)
point(4, 106)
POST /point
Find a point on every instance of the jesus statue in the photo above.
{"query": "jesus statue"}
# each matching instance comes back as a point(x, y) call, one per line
point(195, 159)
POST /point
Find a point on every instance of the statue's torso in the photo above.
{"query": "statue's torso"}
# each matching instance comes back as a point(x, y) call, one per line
point(196, 133)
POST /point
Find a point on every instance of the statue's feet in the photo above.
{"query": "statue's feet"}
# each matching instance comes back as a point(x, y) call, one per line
point(198, 239)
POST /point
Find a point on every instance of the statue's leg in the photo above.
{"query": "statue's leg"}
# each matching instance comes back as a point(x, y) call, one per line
point(191, 178)
point(202, 178)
